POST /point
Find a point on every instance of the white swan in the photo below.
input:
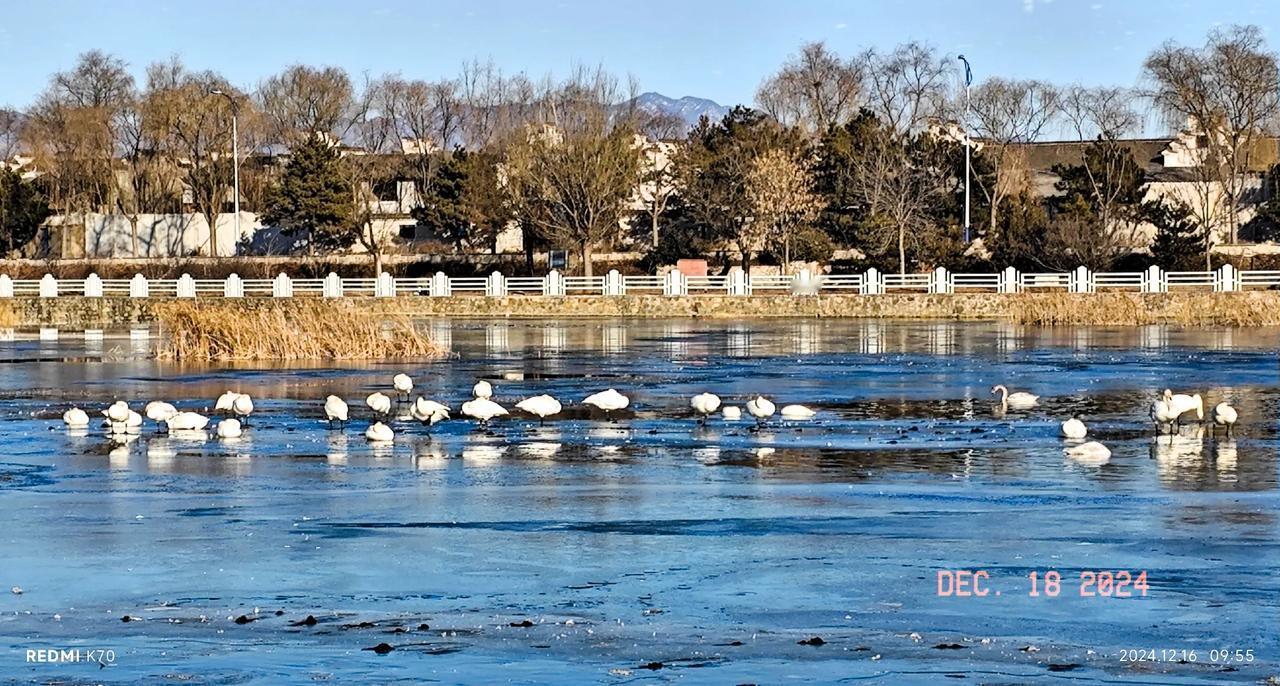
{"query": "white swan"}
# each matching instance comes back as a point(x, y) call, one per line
point(731, 413)
point(187, 421)
point(379, 433)
point(1017, 401)
point(1093, 453)
point(608, 401)
point(242, 407)
point(229, 428)
point(1162, 413)
point(482, 410)
point(133, 424)
point(1074, 429)
point(704, 404)
point(335, 410)
point(223, 404)
point(158, 411)
point(760, 408)
point(75, 418)
point(379, 403)
point(1182, 403)
point(117, 415)
point(403, 385)
point(797, 412)
point(429, 412)
point(540, 406)
point(1225, 415)
point(483, 390)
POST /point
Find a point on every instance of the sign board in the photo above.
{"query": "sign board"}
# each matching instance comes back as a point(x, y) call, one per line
point(692, 267)
point(558, 259)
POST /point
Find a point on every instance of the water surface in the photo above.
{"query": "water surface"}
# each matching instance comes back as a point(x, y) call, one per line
point(649, 548)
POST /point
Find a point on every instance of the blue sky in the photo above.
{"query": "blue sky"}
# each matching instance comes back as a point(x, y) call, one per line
point(716, 49)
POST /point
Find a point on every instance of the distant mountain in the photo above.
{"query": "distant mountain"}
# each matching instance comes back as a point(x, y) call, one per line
point(687, 109)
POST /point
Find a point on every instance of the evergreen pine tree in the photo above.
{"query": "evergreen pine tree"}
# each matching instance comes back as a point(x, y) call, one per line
point(314, 198)
point(22, 209)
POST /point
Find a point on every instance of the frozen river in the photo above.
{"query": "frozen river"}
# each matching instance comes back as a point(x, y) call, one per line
point(650, 549)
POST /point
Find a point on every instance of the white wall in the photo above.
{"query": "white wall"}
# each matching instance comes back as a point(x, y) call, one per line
point(162, 235)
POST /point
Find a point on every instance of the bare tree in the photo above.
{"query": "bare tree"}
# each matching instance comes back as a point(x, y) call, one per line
point(376, 161)
point(147, 182)
point(780, 190)
point(1228, 91)
point(1099, 112)
point(483, 90)
point(570, 176)
point(899, 180)
point(815, 89)
point(194, 127)
point(72, 133)
point(11, 123)
point(304, 101)
point(1004, 114)
point(907, 87)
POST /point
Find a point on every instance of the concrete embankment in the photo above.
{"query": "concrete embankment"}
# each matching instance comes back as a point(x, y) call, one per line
point(1253, 308)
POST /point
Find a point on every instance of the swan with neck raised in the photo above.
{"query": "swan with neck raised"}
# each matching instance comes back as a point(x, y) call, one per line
point(1017, 400)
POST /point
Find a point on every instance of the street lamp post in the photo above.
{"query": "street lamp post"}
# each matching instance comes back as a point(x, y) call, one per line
point(968, 79)
point(235, 162)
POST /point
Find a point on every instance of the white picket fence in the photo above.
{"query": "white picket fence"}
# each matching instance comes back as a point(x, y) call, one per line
point(554, 284)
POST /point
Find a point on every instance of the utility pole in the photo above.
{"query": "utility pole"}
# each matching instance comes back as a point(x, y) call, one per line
point(968, 79)
point(235, 162)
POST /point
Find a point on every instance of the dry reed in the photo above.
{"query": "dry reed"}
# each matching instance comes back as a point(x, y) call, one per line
point(1132, 309)
point(8, 316)
point(294, 330)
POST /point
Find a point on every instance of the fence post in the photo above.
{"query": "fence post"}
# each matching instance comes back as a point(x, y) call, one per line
point(233, 287)
point(332, 285)
point(138, 286)
point(496, 285)
point(613, 284)
point(384, 286)
point(282, 286)
point(674, 283)
point(440, 285)
point(871, 283)
point(6, 286)
point(1009, 279)
point(805, 283)
point(1227, 279)
point(185, 287)
point(553, 284)
point(48, 286)
point(93, 286)
point(739, 283)
point(1153, 280)
point(940, 281)
point(1080, 280)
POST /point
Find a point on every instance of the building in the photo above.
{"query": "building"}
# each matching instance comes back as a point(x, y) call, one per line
point(1173, 168)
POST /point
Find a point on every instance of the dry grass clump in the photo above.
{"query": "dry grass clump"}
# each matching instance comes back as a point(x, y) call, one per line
point(296, 330)
point(8, 316)
point(1133, 309)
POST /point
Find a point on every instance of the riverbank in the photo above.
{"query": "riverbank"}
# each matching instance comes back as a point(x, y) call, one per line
point(1252, 308)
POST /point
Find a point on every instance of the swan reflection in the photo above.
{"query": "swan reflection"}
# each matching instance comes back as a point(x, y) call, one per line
point(483, 453)
point(337, 449)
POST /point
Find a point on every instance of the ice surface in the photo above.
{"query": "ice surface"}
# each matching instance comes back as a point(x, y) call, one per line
point(649, 548)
